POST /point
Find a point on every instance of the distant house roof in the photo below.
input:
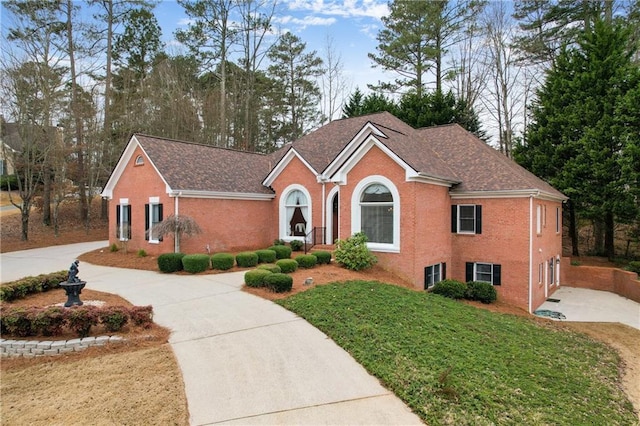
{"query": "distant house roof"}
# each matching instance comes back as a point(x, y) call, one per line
point(480, 167)
point(196, 167)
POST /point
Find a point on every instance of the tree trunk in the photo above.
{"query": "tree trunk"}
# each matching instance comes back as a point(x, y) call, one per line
point(573, 230)
point(598, 236)
point(46, 197)
point(609, 237)
point(25, 221)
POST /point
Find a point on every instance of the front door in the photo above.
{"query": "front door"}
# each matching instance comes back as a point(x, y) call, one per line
point(334, 219)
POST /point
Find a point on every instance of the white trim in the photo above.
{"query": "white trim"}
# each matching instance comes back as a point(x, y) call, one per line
point(283, 163)
point(368, 131)
point(329, 208)
point(356, 225)
point(530, 253)
point(282, 210)
point(124, 201)
point(224, 195)
point(412, 176)
point(515, 193)
point(458, 231)
point(153, 201)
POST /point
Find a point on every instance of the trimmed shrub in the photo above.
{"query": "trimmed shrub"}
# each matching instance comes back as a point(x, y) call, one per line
point(296, 245)
point(287, 265)
point(141, 316)
point(82, 318)
point(49, 321)
point(195, 263)
point(170, 262)
point(481, 291)
point(247, 259)
point(113, 318)
point(142, 253)
point(278, 242)
point(306, 260)
point(323, 257)
point(256, 277)
point(353, 253)
point(279, 283)
point(114, 248)
point(450, 288)
point(634, 266)
point(18, 322)
point(282, 252)
point(272, 267)
point(19, 289)
point(222, 261)
point(266, 256)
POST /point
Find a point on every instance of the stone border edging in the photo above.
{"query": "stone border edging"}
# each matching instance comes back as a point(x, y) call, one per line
point(34, 348)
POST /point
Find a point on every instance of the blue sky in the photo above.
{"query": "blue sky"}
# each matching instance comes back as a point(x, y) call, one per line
point(352, 24)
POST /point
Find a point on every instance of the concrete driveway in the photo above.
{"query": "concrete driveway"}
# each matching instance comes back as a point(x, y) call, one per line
point(244, 360)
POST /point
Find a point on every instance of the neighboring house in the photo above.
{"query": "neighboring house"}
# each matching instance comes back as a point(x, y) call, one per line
point(435, 203)
point(11, 144)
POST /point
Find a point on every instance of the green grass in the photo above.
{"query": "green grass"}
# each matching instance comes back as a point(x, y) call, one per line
point(456, 364)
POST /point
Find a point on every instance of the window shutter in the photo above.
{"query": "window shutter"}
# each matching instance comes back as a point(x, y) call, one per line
point(443, 272)
point(146, 222)
point(454, 218)
point(497, 274)
point(469, 272)
point(478, 219)
point(118, 236)
point(160, 217)
point(427, 274)
point(128, 207)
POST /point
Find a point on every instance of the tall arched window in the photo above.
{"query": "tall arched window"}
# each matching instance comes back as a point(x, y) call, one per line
point(295, 213)
point(375, 207)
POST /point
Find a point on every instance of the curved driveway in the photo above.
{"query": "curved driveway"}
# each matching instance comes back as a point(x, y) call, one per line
point(244, 360)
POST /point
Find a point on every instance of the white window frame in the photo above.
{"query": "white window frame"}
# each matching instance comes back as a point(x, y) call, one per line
point(540, 273)
point(356, 213)
point(538, 219)
point(459, 224)
point(154, 202)
point(139, 160)
point(283, 225)
point(558, 216)
point(475, 272)
point(432, 282)
point(123, 203)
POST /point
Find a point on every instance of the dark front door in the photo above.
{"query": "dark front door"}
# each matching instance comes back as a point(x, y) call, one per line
point(335, 218)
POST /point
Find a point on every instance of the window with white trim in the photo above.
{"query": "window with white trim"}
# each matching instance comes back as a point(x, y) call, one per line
point(153, 216)
point(375, 211)
point(487, 272)
point(433, 274)
point(558, 220)
point(123, 220)
point(139, 160)
point(540, 273)
point(552, 275)
point(538, 219)
point(295, 213)
point(466, 219)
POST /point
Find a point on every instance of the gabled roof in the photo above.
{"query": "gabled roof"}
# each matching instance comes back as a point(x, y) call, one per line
point(195, 168)
point(480, 167)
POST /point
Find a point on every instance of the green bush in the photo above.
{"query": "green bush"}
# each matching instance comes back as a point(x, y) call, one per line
point(142, 253)
point(82, 318)
point(282, 252)
point(113, 318)
point(18, 322)
point(272, 267)
point(170, 262)
point(353, 253)
point(222, 261)
point(287, 265)
point(323, 257)
point(279, 283)
point(266, 256)
point(306, 260)
point(481, 291)
point(23, 287)
point(450, 288)
point(49, 321)
point(634, 266)
point(114, 248)
point(9, 182)
point(278, 242)
point(141, 316)
point(256, 277)
point(296, 245)
point(195, 263)
point(247, 259)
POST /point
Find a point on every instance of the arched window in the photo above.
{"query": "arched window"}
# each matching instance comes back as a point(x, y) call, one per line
point(376, 212)
point(295, 213)
point(139, 160)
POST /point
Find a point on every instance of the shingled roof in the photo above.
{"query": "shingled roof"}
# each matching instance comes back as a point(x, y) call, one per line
point(196, 167)
point(480, 167)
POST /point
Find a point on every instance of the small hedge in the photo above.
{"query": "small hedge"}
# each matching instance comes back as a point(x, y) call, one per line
point(195, 263)
point(323, 257)
point(29, 285)
point(481, 291)
point(296, 245)
point(634, 266)
point(279, 283)
point(353, 252)
point(247, 259)
point(271, 267)
point(450, 288)
point(306, 260)
point(282, 252)
point(256, 277)
point(266, 256)
point(53, 320)
point(170, 262)
point(287, 265)
point(222, 261)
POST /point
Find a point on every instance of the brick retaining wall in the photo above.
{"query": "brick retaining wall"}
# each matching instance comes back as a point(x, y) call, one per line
point(33, 348)
point(623, 283)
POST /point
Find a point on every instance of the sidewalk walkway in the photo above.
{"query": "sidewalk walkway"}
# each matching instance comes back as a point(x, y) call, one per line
point(244, 360)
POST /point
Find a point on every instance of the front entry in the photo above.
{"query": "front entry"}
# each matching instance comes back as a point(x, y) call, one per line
point(334, 219)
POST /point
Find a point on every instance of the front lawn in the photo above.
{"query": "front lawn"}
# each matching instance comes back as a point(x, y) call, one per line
point(456, 364)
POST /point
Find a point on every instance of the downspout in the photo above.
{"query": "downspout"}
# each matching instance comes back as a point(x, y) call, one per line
point(324, 212)
point(176, 204)
point(530, 253)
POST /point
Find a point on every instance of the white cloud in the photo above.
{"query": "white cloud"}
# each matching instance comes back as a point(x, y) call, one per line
point(302, 23)
point(347, 9)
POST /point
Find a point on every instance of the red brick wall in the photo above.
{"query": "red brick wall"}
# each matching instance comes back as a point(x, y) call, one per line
point(227, 225)
point(624, 283)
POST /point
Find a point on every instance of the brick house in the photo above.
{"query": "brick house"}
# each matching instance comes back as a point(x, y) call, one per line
point(434, 202)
